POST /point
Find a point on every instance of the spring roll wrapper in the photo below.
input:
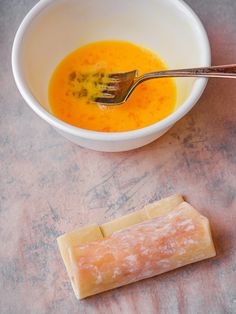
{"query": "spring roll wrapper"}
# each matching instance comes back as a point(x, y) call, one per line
point(147, 249)
point(94, 232)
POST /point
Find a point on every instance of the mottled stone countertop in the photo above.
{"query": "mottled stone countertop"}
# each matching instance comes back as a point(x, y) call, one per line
point(49, 185)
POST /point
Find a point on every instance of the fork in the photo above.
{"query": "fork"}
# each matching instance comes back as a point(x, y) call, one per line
point(119, 86)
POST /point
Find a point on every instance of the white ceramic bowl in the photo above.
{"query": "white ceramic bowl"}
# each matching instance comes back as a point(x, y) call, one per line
point(53, 28)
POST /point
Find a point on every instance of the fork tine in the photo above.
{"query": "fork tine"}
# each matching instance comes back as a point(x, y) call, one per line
point(104, 101)
point(111, 87)
point(123, 75)
point(114, 80)
point(114, 90)
point(119, 74)
point(107, 95)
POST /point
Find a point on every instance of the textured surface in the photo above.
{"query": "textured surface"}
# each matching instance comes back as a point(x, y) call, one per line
point(49, 186)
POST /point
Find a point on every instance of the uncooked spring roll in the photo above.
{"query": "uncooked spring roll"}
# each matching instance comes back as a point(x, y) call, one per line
point(162, 236)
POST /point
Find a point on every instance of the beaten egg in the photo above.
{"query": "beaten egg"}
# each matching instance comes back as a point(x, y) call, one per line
point(71, 88)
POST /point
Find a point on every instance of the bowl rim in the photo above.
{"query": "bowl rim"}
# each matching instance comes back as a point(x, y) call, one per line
point(197, 89)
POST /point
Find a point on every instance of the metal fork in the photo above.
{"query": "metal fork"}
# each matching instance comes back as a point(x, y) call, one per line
point(119, 86)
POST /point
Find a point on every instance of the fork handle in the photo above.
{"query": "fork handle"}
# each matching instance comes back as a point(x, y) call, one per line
point(223, 71)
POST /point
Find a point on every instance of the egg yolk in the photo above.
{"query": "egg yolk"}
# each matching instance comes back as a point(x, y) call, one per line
point(72, 86)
